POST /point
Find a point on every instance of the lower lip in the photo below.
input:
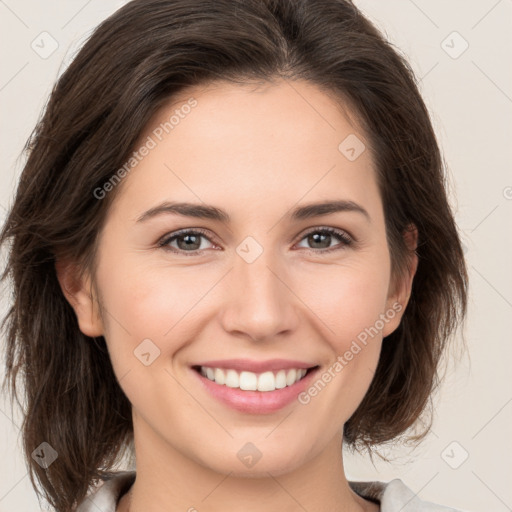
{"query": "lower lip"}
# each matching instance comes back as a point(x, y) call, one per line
point(256, 402)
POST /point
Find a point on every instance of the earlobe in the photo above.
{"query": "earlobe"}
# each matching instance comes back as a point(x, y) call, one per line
point(78, 292)
point(398, 300)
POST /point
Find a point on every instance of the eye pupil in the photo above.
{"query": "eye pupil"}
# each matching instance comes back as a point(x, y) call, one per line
point(191, 241)
point(318, 238)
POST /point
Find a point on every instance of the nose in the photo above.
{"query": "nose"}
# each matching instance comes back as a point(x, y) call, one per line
point(260, 303)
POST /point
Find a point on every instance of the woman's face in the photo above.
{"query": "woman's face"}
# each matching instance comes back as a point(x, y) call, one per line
point(268, 284)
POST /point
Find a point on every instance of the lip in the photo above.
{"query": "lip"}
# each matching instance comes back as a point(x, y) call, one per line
point(256, 402)
point(249, 365)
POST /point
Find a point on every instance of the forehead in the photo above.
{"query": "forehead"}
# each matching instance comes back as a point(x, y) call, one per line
point(296, 109)
point(250, 143)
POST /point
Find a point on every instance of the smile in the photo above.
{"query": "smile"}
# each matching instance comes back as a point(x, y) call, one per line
point(254, 387)
point(249, 381)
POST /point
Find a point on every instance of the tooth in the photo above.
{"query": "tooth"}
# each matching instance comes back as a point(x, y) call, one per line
point(280, 379)
point(248, 381)
point(219, 376)
point(251, 381)
point(291, 376)
point(232, 379)
point(266, 382)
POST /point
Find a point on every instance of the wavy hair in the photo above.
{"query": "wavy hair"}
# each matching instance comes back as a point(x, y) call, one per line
point(130, 66)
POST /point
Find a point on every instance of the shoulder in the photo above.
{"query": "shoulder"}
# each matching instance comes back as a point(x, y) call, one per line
point(105, 496)
point(395, 496)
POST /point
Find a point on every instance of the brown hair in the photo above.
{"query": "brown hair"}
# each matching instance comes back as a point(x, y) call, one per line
point(131, 66)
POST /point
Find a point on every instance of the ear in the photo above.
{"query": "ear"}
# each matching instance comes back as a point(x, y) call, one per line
point(79, 293)
point(400, 292)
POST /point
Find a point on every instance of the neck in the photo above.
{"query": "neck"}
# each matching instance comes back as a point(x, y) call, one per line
point(168, 480)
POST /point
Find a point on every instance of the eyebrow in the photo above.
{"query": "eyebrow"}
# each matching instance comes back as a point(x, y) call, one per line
point(203, 211)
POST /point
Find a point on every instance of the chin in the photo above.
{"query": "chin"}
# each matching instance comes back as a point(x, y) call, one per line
point(276, 466)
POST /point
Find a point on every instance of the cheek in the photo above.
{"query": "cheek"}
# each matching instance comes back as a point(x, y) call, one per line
point(347, 300)
point(147, 303)
point(351, 303)
point(150, 301)
point(150, 317)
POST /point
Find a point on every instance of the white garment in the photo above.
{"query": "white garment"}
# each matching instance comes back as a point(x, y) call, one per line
point(393, 496)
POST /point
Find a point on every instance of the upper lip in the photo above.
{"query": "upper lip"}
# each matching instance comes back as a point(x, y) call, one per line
point(256, 366)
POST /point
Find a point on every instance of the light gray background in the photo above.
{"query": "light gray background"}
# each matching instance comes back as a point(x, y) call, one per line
point(470, 98)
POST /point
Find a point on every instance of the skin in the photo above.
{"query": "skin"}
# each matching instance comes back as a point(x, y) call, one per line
point(256, 152)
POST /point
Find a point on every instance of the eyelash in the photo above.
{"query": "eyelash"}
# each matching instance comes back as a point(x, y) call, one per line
point(341, 235)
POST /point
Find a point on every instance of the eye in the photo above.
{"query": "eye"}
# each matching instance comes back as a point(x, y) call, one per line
point(187, 240)
point(321, 238)
point(190, 240)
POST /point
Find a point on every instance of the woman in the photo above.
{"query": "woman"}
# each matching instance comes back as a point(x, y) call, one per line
point(231, 252)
